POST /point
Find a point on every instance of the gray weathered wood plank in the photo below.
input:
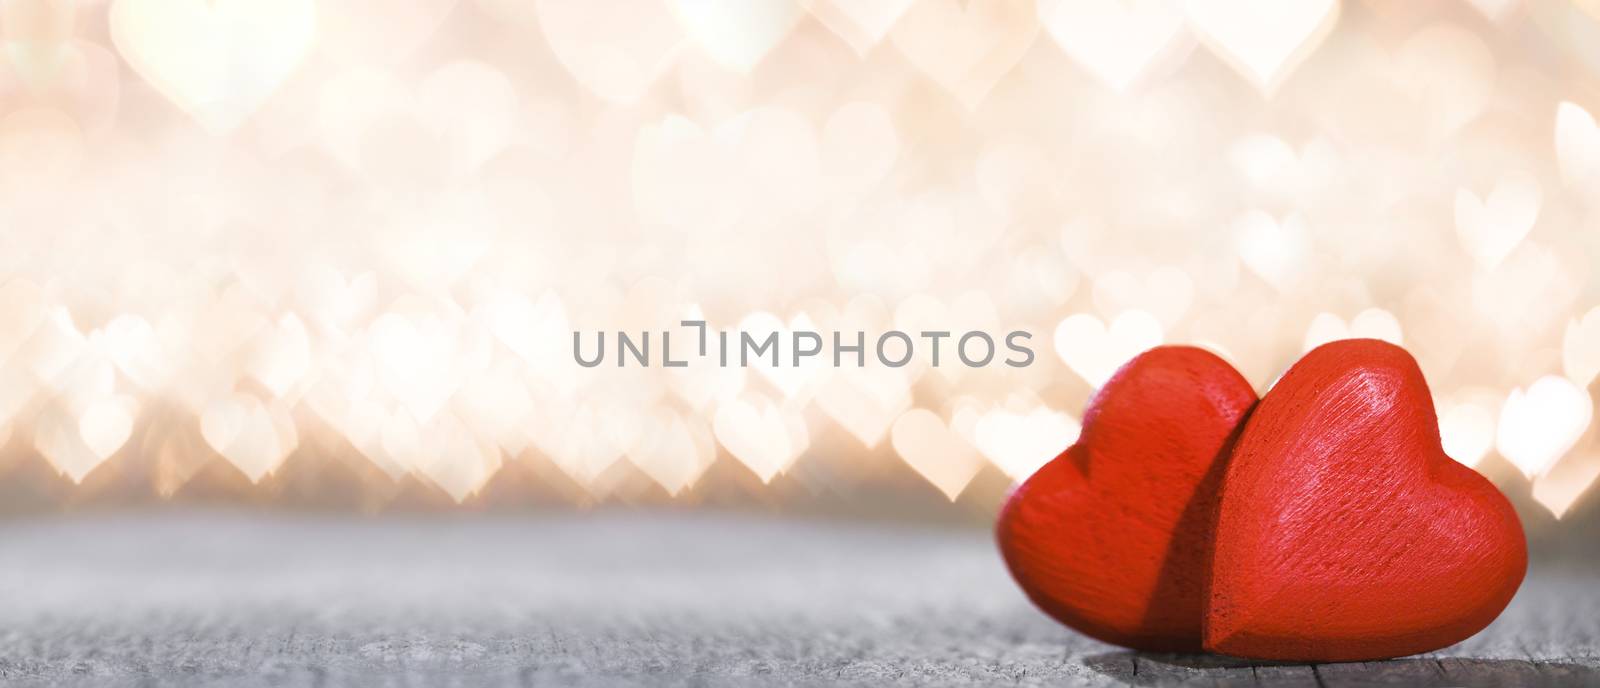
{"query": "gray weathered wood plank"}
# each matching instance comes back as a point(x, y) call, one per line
point(622, 599)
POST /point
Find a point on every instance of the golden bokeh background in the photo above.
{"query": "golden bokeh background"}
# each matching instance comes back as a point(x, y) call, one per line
point(333, 252)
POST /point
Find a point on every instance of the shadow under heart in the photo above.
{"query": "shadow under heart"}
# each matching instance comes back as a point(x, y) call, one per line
point(1152, 669)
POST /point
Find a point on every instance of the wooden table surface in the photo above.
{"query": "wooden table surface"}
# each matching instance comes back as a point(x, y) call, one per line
point(646, 598)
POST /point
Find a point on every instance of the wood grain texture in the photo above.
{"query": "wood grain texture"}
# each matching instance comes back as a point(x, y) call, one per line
point(1113, 537)
point(1345, 532)
point(199, 598)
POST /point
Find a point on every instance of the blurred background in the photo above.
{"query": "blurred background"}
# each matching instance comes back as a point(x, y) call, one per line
point(314, 255)
point(288, 291)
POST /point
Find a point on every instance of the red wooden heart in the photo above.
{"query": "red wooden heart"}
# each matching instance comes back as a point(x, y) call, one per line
point(1113, 536)
point(1345, 532)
